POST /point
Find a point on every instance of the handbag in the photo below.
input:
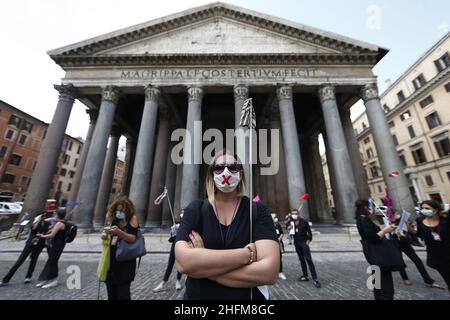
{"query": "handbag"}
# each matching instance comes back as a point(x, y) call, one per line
point(383, 254)
point(130, 251)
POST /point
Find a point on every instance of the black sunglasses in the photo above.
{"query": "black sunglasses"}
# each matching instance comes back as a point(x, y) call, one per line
point(219, 168)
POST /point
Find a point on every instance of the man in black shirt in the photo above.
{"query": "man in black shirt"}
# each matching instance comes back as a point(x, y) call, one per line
point(302, 239)
point(33, 246)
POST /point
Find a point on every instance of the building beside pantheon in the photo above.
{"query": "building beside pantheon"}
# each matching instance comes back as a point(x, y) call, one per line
point(145, 81)
point(417, 107)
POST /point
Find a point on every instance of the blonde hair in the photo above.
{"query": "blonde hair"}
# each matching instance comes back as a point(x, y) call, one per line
point(209, 183)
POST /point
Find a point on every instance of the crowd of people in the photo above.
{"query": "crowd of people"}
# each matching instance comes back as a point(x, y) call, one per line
point(212, 245)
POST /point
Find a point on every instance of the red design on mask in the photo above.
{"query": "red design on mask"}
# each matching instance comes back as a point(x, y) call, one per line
point(226, 180)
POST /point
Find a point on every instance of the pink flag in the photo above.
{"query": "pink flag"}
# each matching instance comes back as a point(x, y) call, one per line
point(256, 198)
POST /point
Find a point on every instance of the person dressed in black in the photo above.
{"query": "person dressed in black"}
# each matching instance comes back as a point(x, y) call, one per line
point(280, 234)
point(403, 243)
point(173, 234)
point(302, 239)
point(33, 247)
point(373, 234)
point(49, 275)
point(214, 247)
point(434, 228)
point(124, 227)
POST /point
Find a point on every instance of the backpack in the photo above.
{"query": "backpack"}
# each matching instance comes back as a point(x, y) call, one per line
point(71, 231)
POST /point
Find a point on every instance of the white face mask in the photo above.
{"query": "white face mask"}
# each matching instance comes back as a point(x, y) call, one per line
point(294, 217)
point(427, 212)
point(227, 181)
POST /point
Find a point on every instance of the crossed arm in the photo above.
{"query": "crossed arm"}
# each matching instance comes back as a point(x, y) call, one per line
point(229, 267)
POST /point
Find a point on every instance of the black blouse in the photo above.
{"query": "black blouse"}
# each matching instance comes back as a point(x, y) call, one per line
point(437, 240)
point(217, 236)
point(124, 271)
point(367, 229)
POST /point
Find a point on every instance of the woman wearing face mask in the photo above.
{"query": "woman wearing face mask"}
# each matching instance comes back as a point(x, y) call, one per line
point(372, 234)
point(124, 227)
point(434, 228)
point(173, 234)
point(212, 245)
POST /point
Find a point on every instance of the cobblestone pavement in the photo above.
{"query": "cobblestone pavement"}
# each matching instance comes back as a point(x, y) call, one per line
point(342, 275)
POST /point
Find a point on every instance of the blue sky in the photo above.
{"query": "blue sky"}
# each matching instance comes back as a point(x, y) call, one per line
point(29, 28)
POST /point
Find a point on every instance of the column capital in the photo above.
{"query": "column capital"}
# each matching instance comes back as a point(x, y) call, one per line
point(111, 93)
point(326, 92)
point(369, 92)
point(152, 93)
point(284, 93)
point(93, 114)
point(67, 92)
point(195, 93)
point(240, 92)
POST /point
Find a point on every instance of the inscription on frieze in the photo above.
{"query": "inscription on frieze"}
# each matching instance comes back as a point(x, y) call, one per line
point(218, 73)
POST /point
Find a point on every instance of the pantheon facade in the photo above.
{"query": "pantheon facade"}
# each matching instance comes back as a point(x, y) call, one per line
point(145, 81)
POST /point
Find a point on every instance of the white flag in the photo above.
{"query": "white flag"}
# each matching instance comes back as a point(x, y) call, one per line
point(161, 197)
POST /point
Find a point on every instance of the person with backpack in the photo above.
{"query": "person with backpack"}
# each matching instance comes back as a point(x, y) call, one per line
point(173, 234)
point(214, 247)
point(57, 236)
point(124, 226)
point(33, 246)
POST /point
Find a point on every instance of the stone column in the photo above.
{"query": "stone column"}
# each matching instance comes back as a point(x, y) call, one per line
point(49, 152)
point(346, 188)
point(305, 141)
point(323, 208)
point(242, 142)
point(170, 183)
point(193, 148)
point(332, 175)
point(107, 179)
point(154, 217)
point(140, 182)
point(82, 160)
point(179, 179)
point(386, 151)
point(294, 166)
point(362, 184)
point(92, 173)
point(130, 155)
point(280, 178)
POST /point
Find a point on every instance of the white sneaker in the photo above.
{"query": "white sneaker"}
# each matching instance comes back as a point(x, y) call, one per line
point(4, 284)
point(178, 285)
point(161, 286)
point(51, 284)
point(27, 280)
point(40, 284)
point(282, 276)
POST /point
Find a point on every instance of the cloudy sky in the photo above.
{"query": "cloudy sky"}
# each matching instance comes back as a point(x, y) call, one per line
point(29, 28)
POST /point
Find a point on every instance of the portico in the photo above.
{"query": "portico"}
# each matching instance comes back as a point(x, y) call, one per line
point(200, 65)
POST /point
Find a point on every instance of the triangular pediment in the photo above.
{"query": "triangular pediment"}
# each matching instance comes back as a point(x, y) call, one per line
point(218, 36)
point(216, 29)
